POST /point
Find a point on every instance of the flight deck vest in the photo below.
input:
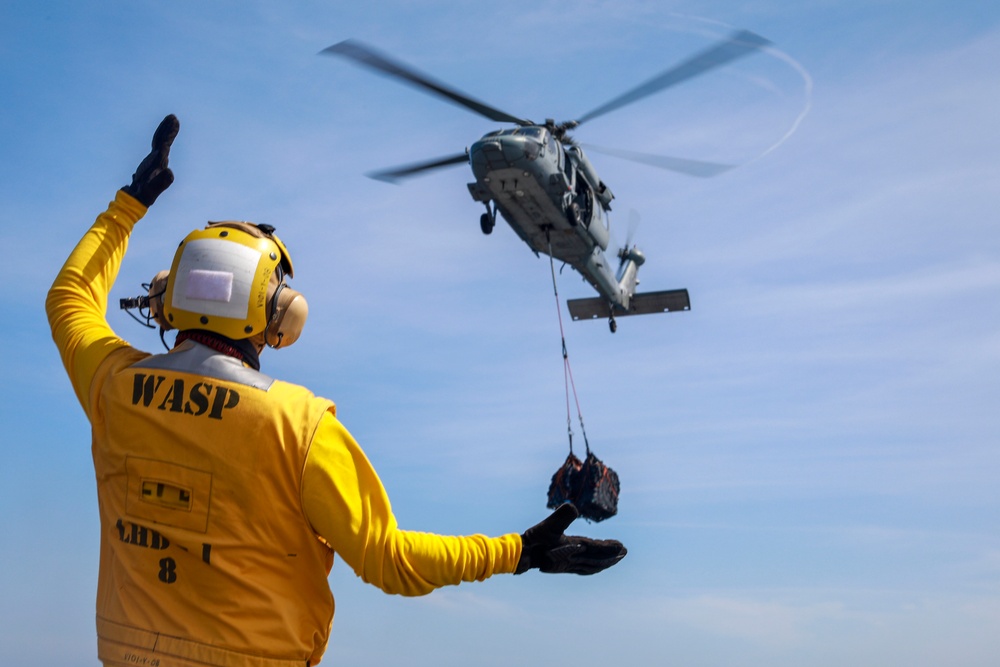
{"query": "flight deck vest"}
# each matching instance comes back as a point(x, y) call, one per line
point(207, 557)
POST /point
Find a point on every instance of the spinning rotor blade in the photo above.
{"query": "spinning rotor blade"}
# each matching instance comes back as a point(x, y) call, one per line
point(633, 227)
point(738, 44)
point(364, 55)
point(697, 168)
point(398, 173)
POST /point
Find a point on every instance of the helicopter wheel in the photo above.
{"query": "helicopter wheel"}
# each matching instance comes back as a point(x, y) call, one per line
point(612, 324)
point(573, 214)
point(486, 223)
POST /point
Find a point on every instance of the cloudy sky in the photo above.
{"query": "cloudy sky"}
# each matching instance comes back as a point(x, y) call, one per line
point(808, 458)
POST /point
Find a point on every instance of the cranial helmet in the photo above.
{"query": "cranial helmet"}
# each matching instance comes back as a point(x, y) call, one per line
point(229, 278)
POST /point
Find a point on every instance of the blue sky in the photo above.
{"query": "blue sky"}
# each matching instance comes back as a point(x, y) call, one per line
point(809, 458)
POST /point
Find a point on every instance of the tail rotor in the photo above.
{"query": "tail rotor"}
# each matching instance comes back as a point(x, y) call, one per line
point(629, 250)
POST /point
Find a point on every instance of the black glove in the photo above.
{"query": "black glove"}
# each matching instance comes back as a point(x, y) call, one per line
point(152, 176)
point(545, 547)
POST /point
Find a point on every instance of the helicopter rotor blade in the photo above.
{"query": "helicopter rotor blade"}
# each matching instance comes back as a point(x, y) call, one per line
point(697, 168)
point(398, 173)
point(633, 227)
point(740, 43)
point(365, 55)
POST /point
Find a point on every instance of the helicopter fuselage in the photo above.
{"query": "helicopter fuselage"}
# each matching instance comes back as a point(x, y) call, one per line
point(551, 196)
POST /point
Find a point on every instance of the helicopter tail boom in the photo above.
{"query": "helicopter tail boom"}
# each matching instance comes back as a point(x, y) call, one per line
point(665, 301)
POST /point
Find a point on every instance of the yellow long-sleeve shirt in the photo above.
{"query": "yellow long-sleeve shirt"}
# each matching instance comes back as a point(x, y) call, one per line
point(224, 493)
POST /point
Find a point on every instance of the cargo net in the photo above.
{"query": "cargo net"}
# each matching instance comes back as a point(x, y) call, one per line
point(589, 485)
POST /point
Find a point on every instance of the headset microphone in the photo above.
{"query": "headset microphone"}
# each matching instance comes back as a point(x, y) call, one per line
point(134, 302)
point(140, 303)
point(149, 304)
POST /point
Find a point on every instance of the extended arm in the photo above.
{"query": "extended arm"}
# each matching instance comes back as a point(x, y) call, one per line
point(78, 299)
point(347, 505)
point(77, 302)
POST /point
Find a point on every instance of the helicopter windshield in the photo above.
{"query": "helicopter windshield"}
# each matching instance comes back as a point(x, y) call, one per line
point(543, 140)
point(533, 131)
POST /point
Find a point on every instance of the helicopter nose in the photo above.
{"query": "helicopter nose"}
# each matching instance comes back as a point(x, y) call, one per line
point(493, 153)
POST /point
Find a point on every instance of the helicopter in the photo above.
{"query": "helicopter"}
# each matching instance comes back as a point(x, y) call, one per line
point(540, 181)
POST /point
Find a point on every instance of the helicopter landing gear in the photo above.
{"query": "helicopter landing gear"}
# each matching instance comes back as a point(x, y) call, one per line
point(487, 220)
point(486, 223)
point(612, 324)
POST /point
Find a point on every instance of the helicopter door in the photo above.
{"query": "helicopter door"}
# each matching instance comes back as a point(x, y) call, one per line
point(569, 168)
point(561, 180)
point(585, 200)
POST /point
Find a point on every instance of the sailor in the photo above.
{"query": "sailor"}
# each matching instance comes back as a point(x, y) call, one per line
point(224, 493)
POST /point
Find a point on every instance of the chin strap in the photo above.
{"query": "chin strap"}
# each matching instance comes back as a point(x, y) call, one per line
point(239, 349)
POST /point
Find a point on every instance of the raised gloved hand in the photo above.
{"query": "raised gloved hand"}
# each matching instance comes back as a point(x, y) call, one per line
point(545, 547)
point(152, 176)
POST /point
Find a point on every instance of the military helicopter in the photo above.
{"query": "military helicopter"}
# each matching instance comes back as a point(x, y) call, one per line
point(537, 177)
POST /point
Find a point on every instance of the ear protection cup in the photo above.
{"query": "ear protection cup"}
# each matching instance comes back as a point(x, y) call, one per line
point(157, 288)
point(288, 312)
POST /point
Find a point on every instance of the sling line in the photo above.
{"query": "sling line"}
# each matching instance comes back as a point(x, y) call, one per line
point(567, 370)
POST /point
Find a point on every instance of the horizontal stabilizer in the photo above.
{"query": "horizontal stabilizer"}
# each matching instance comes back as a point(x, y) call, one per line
point(642, 304)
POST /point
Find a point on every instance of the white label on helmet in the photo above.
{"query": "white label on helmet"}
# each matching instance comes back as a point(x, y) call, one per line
point(198, 284)
point(210, 285)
